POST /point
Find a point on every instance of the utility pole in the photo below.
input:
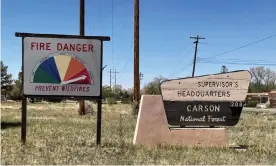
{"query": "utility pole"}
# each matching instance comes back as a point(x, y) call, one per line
point(113, 71)
point(136, 88)
point(82, 8)
point(115, 81)
point(196, 43)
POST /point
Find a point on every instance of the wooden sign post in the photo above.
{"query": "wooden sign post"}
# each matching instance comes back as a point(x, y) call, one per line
point(192, 103)
point(211, 100)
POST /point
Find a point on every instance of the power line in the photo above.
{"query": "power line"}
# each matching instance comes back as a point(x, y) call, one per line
point(234, 61)
point(112, 13)
point(127, 58)
point(183, 68)
point(88, 23)
point(204, 43)
point(175, 69)
point(131, 46)
point(186, 67)
point(200, 59)
point(242, 46)
point(257, 60)
point(225, 62)
point(242, 63)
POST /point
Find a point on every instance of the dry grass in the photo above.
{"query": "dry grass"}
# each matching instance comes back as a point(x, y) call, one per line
point(57, 135)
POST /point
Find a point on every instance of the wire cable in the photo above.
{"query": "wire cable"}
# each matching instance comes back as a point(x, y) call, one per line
point(123, 69)
point(258, 41)
point(175, 69)
point(203, 60)
point(235, 61)
point(88, 23)
point(112, 25)
point(182, 69)
point(257, 60)
point(241, 63)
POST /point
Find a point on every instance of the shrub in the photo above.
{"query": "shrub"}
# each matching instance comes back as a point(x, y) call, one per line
point(251, 104)
point(126, 100)
point(14, 94)
point(111, 100)
point(54, 100)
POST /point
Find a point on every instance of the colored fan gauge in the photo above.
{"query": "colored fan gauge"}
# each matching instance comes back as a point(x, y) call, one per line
point(61, 69)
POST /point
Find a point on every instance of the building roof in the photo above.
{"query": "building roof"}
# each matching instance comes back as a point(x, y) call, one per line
point(258, 94)
point(273, 91)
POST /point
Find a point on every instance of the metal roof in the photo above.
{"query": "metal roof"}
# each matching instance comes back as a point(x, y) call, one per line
point(258, 94)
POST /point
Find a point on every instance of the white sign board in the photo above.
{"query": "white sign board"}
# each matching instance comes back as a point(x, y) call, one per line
point(62, 66)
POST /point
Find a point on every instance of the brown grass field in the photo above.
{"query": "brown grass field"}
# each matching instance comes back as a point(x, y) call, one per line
point(56, 134)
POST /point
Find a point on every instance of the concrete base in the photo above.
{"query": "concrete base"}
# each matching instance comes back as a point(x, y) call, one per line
point(152, 128)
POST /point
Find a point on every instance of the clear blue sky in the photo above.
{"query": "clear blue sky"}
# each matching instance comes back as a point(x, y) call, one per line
point(165, 28)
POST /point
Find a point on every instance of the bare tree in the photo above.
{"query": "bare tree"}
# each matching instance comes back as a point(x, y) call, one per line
point(263, 80)
point(270, 79)
point(258, 74)
point(267, 77)
point(273, 80)
point(153, 88)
